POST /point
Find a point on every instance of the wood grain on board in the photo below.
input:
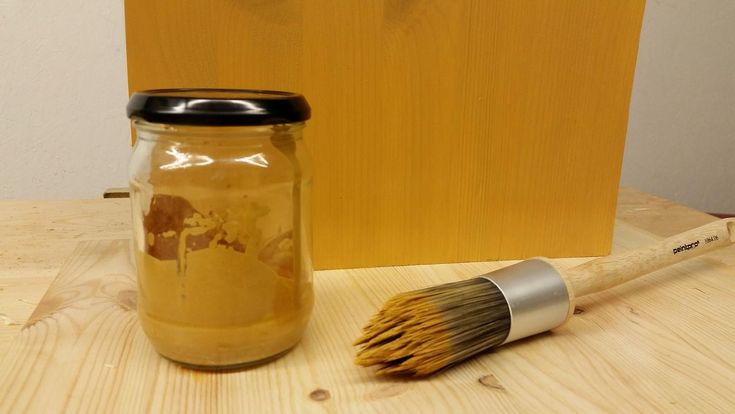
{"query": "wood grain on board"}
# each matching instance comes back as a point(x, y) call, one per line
point(442, 131)
point(665, 342)
point(37, 238)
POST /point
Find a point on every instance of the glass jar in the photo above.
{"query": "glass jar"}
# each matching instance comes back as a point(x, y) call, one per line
point(220, 183)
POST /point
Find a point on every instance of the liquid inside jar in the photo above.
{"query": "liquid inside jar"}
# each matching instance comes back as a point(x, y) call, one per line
point(222, 253)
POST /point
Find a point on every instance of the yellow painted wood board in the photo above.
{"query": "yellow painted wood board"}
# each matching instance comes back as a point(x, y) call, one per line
point(442, 131)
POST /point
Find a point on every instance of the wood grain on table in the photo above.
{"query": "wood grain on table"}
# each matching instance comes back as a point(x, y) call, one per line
point(665, 342)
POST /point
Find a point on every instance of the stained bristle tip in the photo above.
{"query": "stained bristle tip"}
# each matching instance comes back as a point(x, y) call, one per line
point(418, 333)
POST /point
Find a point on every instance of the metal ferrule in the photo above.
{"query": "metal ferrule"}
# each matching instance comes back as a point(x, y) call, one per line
point(537, 297)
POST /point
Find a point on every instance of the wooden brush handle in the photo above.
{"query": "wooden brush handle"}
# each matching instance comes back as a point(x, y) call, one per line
point(606, 272)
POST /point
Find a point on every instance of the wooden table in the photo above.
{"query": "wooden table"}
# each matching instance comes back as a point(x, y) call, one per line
point(71, 342)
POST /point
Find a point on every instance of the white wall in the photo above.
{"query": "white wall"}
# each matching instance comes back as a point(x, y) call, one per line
point(63, 90)
point(681, 134)
point(63, 132)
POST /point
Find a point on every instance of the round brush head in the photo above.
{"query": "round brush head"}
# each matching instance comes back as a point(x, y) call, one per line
point(418, 333)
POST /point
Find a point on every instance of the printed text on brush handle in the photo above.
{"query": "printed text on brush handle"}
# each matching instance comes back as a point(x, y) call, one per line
point(606, 272)
point(694, 244)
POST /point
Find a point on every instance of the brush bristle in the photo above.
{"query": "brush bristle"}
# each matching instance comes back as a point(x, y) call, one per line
point(418, 333)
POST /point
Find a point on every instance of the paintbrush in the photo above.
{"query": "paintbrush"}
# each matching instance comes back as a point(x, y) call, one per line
point(420, 332)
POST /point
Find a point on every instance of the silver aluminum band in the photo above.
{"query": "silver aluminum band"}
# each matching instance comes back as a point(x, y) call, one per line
point(537, 297)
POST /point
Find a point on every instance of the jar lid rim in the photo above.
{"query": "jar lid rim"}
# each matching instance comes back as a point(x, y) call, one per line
point(218, 107)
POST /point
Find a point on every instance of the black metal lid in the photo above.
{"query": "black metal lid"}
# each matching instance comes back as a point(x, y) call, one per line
point(226, 107)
